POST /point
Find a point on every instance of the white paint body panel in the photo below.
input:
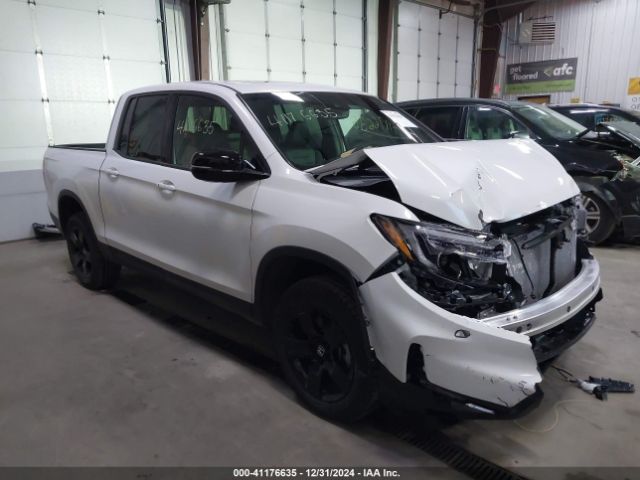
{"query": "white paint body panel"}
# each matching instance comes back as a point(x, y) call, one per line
point(218, 234)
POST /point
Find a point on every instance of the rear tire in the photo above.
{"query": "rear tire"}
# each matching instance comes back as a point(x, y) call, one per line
point(90, 266)
point(600, 221)
point(318, 338)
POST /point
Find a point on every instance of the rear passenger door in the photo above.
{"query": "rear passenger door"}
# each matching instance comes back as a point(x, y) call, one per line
point(444, 120)
point(157, 210)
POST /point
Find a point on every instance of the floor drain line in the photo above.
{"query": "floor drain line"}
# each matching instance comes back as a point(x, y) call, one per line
point(442, 448)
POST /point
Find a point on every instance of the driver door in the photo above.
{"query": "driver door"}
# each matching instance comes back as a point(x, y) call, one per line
point(197, 229)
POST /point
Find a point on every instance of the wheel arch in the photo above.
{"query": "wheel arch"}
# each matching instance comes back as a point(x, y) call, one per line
point(283, 266)
point(68, 204)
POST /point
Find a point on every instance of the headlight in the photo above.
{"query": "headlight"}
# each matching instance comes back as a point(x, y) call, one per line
point(427, 243)
point(455, 268)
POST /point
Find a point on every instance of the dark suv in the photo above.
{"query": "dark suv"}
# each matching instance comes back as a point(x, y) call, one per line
point(607, 177)
point(591, 115)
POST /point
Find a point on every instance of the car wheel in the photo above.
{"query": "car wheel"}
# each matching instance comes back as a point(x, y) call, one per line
point(600, 221)
point(90, 266)
point(318, 338)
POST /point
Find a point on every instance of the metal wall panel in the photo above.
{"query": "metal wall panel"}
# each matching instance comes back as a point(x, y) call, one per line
point(603, 35)
point(434, 54)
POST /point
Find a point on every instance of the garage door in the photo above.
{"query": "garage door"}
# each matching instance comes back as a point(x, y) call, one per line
point(75, 58)
point(317, 41)
point(434, 54)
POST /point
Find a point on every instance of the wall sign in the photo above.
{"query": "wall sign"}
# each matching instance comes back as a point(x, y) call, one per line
point(547, 76)
point(633, 94)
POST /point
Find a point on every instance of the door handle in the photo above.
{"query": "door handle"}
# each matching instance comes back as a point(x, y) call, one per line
point(112, 172)
point(166, 186)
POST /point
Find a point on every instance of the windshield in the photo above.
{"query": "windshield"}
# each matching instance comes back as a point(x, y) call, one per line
point(549, 121)
point(628, 129)
point(314, 128)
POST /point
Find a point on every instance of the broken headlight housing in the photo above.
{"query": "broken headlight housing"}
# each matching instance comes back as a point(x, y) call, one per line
point(458, 269)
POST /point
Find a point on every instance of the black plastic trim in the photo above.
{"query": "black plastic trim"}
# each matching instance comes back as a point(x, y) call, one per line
point(223, 300)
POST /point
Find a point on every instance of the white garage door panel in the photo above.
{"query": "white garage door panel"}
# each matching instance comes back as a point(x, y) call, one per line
point(428, 70)
point(349, 62)
point(284, 20)
point(446, 90)
point(15, 27)
point(75, 78)
point(77, 122)
point(69, 32)
point(319, 79)
point(131, 8)
point(407, 67)
point(88, 5)
point(348, 32)
point(447, 72)
point(427, 90)
point(349, 7)
point(286, 56)
point(127, 75)
point(24, 86)
point(429, 19)
point(318, 26)
point(246, 16)
point(25, 126)
point(319, 59)
point(408, 41)
point(354, 83)
point(408, 15)
point(322, 5)
point(448, 47)
point(246, 51)
point(434, 53)
point(406, 90)
point(132, 38)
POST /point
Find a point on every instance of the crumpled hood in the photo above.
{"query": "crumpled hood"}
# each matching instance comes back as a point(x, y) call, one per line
point(475, 182)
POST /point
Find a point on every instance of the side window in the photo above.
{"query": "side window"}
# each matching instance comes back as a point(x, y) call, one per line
point(584, 117)
point(204, 125)
point(142, 130)
point(486, 123)
point(442, 120)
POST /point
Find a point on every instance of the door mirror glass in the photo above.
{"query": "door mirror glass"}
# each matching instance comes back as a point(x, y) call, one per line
point(223, 166)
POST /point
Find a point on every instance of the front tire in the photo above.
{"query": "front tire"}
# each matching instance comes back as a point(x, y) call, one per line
point(600, 221)
point(318, 338)
point(90, 266)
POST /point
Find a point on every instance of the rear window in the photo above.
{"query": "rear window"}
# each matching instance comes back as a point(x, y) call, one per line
point(142, 129)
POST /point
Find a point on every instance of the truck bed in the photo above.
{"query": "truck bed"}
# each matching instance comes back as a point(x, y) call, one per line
point(95, 147)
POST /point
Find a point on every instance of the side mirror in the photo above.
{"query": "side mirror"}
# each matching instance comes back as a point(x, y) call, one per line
point(223, 166)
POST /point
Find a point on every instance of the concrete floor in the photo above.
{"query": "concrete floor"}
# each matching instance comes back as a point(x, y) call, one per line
point(121, 379)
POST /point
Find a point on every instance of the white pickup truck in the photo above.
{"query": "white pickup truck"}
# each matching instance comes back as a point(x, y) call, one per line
point(382, 262)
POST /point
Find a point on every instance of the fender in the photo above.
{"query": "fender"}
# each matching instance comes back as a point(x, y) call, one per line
point(266, 288)
point(598, 186)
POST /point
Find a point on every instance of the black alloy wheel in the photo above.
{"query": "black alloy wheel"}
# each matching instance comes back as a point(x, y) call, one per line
point(318, 336)
point(318, 350)
point(90, 266)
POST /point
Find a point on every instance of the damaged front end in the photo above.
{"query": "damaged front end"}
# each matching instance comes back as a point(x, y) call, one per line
point(479, 274)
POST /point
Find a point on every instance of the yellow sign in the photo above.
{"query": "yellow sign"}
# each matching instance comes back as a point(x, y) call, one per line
point(575, 100)
point(634, 86)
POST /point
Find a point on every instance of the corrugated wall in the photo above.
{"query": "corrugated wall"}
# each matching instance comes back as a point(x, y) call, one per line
point(603, 34)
